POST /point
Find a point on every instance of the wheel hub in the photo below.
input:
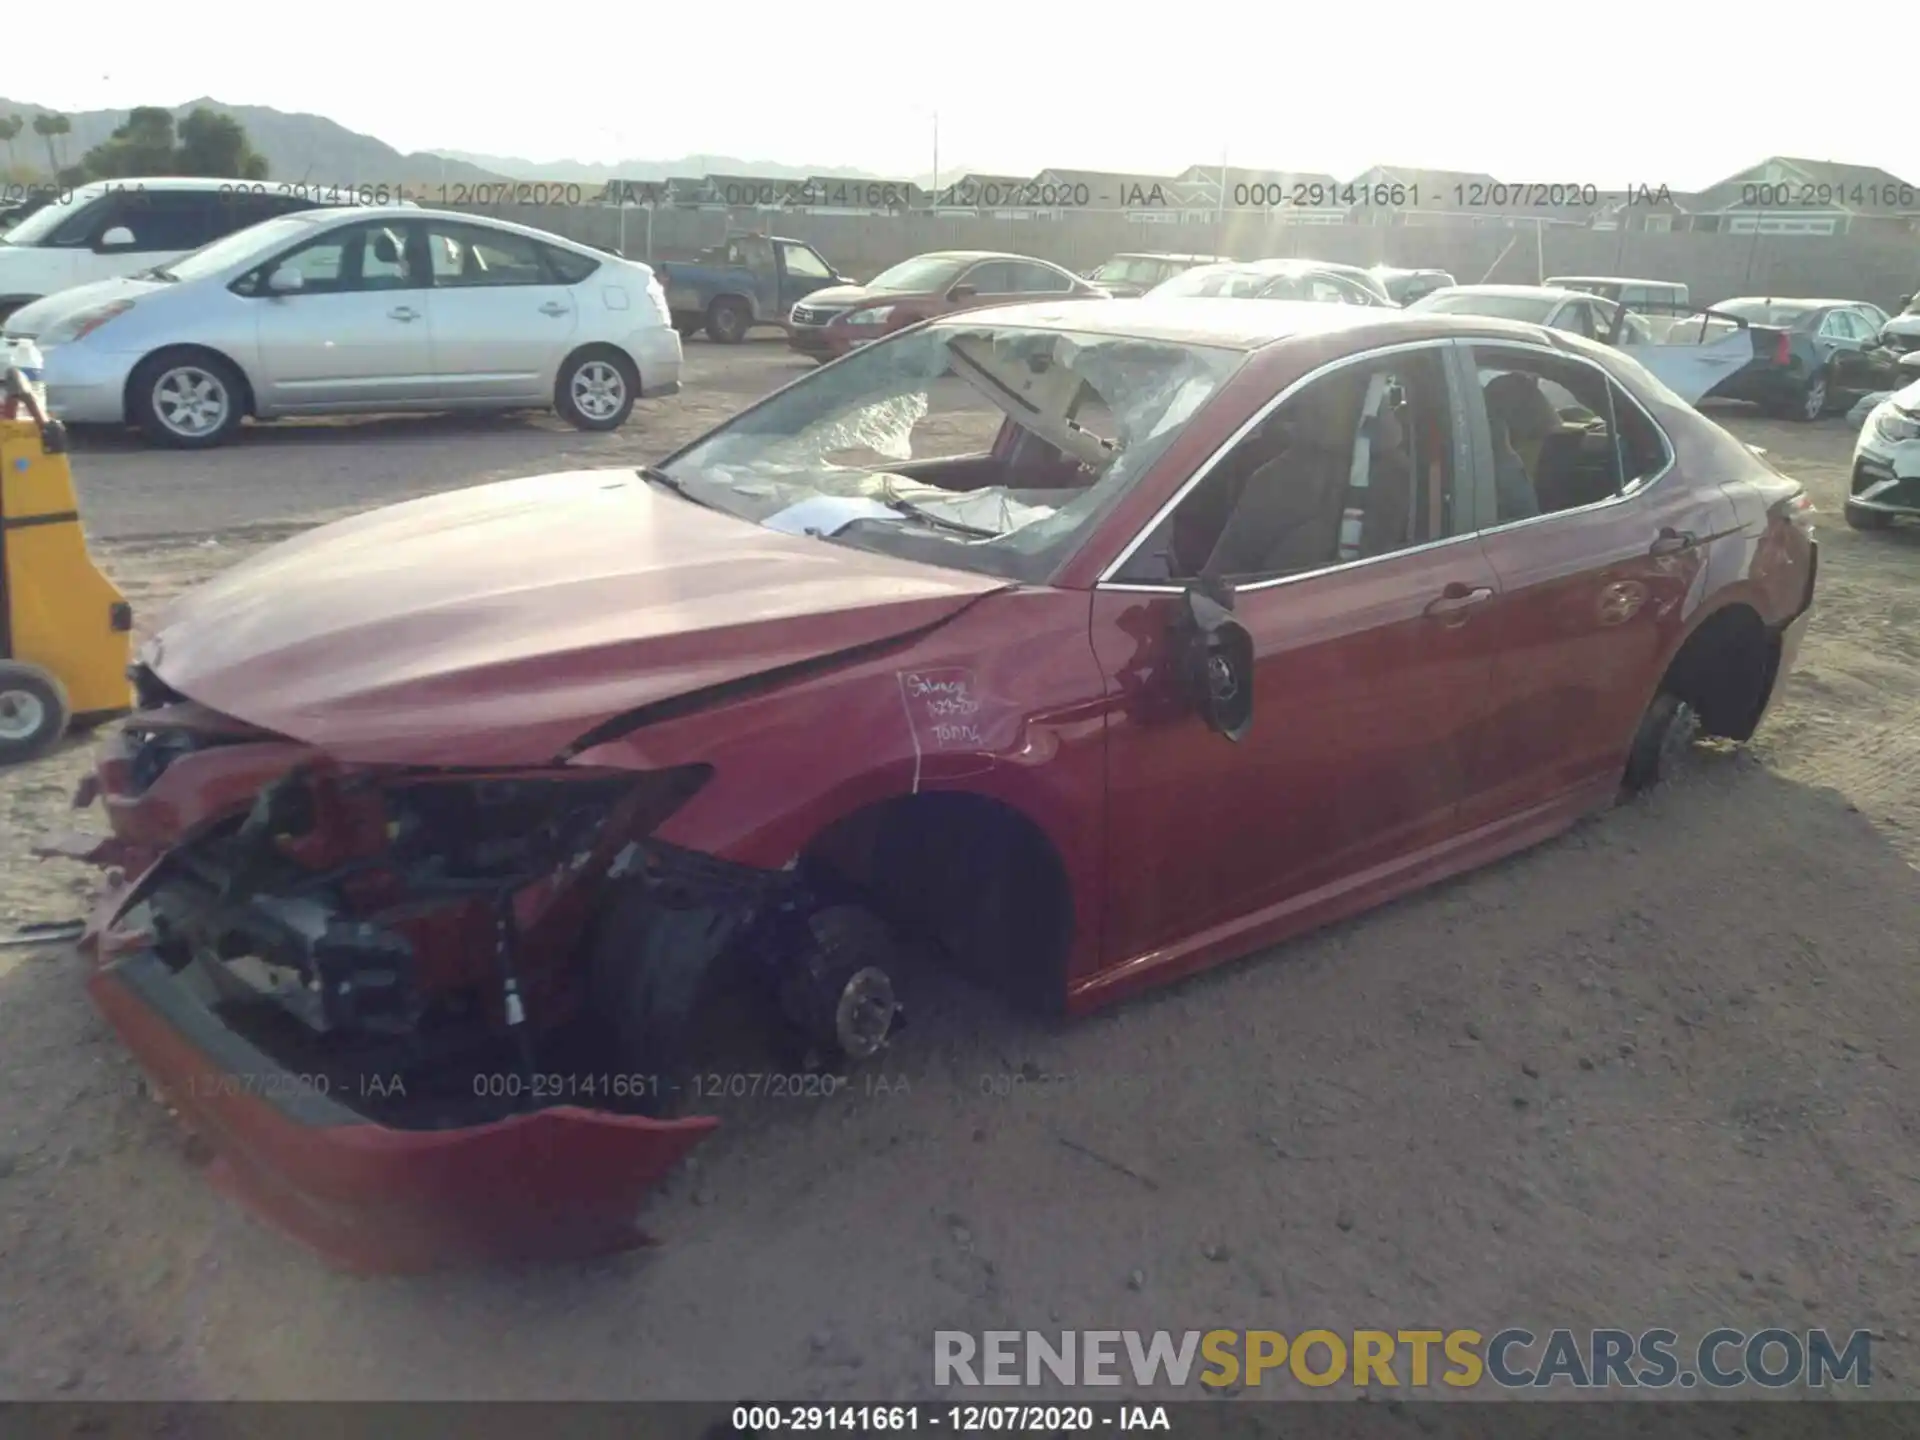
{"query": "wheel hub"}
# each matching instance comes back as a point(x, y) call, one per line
point(190, 401)
point(21, 715)
point(598, 390)
point(863, 1015)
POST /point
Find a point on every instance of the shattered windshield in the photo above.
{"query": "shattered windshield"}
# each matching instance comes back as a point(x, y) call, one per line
point(991, 448)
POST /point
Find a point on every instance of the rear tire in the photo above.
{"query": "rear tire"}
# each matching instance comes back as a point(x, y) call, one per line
point(34, 712)
point(1861, 518)
point(186, 399)
point(728, 320)
point(1812, 404)
point(1667, 731)
point(596, 389)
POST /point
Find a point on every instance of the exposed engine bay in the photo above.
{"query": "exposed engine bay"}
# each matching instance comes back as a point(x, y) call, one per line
point(433, 929)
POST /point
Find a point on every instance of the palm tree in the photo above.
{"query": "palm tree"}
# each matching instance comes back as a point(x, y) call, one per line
point(46, 126)
point(11, 126)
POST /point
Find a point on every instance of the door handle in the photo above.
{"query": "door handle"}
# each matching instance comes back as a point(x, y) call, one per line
point(1672, 542)
point(553, 307)
point(1456, 600)
point(404, 313)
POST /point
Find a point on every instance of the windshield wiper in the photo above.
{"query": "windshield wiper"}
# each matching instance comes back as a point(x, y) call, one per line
point(675, 484)
point(909, 510)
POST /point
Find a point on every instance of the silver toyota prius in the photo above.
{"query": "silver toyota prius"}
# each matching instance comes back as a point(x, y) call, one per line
point(337, 311)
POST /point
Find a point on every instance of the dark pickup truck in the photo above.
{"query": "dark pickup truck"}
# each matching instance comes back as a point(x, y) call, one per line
point(743, 282)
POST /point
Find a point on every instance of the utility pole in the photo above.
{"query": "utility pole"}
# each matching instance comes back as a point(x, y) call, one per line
point(1220, 211)
point(936, 152)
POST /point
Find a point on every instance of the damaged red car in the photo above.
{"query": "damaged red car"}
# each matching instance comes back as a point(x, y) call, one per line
point(1074, 646)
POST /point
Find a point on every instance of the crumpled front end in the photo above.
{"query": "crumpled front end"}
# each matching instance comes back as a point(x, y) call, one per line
point(361, 986)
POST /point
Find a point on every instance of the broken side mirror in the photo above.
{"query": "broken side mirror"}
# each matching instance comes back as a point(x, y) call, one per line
point(1214, 654)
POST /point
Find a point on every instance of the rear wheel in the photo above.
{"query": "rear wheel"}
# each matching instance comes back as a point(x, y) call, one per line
point(1861, 518)
point(33, 712)
point(596, 389)
point(1813, 400)
point(1667, 732)
point(728, 320)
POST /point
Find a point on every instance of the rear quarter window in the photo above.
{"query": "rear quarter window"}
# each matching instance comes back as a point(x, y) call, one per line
point(568, 267)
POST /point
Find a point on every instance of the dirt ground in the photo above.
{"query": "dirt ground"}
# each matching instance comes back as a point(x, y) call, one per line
point(1660, 1071)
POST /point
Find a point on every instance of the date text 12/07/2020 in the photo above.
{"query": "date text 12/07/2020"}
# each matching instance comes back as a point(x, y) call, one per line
point(566, 195)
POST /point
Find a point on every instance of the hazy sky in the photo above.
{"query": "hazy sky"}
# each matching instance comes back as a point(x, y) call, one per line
point(1525, 91)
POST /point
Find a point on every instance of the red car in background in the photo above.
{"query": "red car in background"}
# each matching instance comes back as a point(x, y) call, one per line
point(1075, 646)
point(830, 322)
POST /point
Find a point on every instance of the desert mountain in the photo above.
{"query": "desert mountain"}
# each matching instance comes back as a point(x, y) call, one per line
point(297, 147)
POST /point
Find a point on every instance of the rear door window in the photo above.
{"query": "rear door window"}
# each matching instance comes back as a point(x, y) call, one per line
point(472, 255)
point(1041, 280)
point(990, 277)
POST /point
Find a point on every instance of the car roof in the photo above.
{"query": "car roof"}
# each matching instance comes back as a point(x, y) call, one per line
point(1617, 280)
point(976, 255)
point(93, 188)
point(350, 214)
point(1275, 265)
point(1801, 300)
point(1167, 255)
point(1518, 291)
point(1231, 324)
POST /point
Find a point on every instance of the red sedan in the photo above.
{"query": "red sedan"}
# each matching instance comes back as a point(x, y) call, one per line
point(1077, 647)
point(831, 322)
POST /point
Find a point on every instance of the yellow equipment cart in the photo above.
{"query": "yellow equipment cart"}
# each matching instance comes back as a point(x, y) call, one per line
point(66, 633)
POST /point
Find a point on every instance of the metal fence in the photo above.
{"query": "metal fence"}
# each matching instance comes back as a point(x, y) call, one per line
point(1714, 266)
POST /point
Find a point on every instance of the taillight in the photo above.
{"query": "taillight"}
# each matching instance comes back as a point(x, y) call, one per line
point(1798, 508)
point(1782, 350)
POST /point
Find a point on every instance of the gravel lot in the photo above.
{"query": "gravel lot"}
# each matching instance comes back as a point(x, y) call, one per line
point(1657, 1072)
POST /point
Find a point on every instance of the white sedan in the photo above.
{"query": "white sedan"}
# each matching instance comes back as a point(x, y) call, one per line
point(340, 311)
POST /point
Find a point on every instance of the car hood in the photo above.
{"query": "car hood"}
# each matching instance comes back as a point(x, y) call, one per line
point(853, 295)
point(33, 321)
point(1902, 325)
point(496, 625)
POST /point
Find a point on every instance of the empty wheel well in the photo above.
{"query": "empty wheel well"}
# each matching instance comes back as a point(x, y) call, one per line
point(974, 878)
point(186, 352)
point(1725, 671)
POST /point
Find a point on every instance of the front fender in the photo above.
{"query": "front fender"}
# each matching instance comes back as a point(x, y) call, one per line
point(1006, 702)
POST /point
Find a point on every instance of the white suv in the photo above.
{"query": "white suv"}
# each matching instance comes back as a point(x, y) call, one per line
point(111, 228)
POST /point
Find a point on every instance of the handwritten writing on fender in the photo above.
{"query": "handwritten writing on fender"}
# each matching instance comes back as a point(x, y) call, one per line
point(942, 708)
